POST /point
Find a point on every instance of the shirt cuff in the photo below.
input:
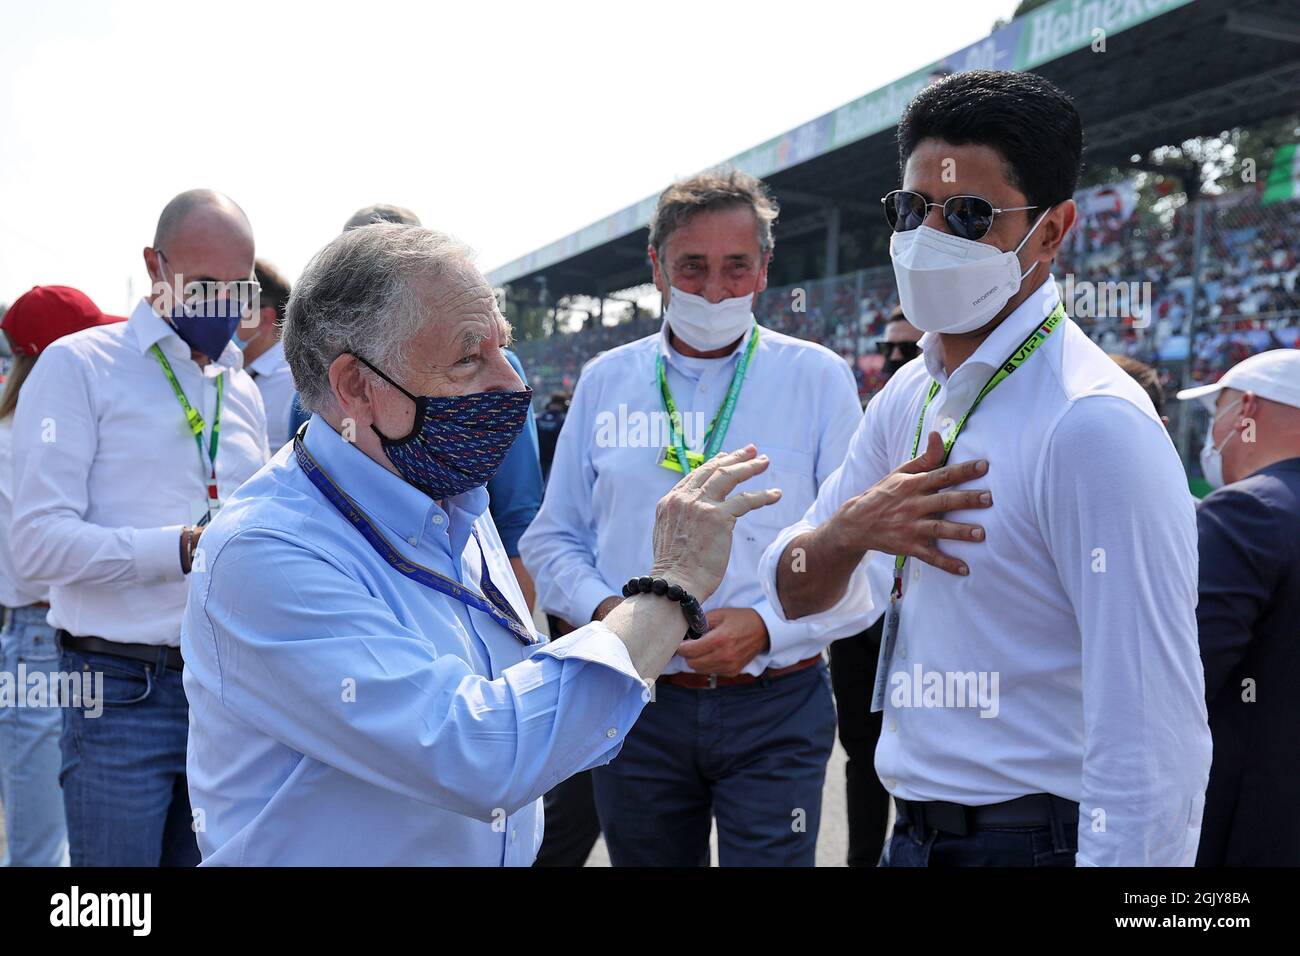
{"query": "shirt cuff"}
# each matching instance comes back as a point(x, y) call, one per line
point(595, 643)
point(158, 554)
point(787, 642)
point(849, 615)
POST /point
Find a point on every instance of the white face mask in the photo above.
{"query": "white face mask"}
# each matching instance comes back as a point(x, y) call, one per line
point(1212, 455)
point(950, 284)
point(706, 325)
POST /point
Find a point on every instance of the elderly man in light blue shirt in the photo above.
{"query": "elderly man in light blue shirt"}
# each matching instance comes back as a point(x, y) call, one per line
point(364, 686)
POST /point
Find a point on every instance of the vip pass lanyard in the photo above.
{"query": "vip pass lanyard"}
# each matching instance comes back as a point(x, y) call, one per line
point(674, 456)
point(494, 605)
point(196, 425)
point(1017, 358)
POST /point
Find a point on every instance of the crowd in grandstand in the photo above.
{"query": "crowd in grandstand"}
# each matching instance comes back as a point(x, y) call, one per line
point(1247, 297)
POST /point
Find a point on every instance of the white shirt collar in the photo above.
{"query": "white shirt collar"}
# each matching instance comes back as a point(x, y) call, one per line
point(993, 351)
point(269, 361)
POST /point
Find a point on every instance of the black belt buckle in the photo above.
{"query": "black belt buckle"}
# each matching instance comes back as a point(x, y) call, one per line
point(950, 818)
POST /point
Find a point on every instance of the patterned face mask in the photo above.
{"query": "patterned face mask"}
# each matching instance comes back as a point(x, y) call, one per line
point(456, 442)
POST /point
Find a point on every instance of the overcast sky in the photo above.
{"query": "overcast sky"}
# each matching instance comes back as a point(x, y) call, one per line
point(509, 124)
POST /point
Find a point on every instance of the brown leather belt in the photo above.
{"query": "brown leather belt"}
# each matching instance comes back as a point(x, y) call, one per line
point(693, 681)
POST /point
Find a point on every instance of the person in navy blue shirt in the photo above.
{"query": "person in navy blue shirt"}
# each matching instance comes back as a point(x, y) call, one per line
point(1248, 616)
point(515, 493)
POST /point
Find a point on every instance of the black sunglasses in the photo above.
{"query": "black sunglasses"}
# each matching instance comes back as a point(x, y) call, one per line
point(969, 217)
point(910, 350)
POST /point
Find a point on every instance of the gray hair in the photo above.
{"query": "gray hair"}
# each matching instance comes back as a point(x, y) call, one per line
point(382, 212)
point(356, 297)
point(710, 191)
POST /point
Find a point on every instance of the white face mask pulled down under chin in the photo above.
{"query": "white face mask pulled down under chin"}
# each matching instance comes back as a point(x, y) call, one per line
point(705, 325)
point(1211, 454)
point(950, 284)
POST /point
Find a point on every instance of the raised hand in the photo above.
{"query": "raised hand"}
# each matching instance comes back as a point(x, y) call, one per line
point(695, 520)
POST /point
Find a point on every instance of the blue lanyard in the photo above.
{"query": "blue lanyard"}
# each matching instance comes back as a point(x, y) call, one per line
point(494, 605)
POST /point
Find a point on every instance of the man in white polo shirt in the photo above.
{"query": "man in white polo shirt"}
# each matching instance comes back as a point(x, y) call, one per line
point(127, 438)
point(1041, 682)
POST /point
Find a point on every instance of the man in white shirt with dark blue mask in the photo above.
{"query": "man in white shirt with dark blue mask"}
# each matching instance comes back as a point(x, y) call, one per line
point(743, 722)
point(127, 440)
point(1040, 678)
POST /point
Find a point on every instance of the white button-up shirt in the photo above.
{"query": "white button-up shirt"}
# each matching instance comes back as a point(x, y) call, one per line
point(14, 590)
point(271, 373)
point(798, 404)
point(106, 473)
point(1076, 622)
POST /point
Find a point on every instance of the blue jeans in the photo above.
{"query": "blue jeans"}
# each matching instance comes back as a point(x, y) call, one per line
point(1005, 846)
point(123, 772)
point(29, 747)
point(752, 756)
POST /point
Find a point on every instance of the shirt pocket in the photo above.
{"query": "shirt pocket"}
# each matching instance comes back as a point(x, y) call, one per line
point(791, 470)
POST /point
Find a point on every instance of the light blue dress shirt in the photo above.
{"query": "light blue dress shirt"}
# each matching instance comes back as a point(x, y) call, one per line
point(343, 714)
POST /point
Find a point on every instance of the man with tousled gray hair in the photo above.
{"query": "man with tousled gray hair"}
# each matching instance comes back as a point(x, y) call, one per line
point(389, 703)
point(110, 504)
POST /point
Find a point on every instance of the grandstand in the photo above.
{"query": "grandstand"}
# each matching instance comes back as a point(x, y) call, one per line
point(1220, 269)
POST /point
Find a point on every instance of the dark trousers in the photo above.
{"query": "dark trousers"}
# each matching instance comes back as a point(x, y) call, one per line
point(123, 773)
point(752, 757)
point(853, 675)
point(572, 826)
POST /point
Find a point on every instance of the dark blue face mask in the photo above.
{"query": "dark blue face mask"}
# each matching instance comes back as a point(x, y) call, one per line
point(205, 324)
point(457, 442)
point(208, 325)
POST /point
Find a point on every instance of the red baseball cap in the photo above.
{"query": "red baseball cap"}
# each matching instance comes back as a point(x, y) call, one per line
point(49, 312)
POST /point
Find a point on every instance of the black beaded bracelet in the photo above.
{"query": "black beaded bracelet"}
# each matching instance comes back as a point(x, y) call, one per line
point(696, 625)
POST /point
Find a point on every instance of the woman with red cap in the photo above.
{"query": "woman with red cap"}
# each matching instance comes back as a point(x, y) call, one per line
point(29, 735)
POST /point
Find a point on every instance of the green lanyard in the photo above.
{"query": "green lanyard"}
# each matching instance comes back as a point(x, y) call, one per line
point(1013, 362)
point(196, 425)
point(889, 632)
point(685, 460)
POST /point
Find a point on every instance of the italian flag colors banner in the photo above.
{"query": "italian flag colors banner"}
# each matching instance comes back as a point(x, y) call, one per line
point(1284, 178)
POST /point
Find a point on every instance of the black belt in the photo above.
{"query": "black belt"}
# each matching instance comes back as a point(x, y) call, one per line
point(146, 653)
point(1032, 810)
